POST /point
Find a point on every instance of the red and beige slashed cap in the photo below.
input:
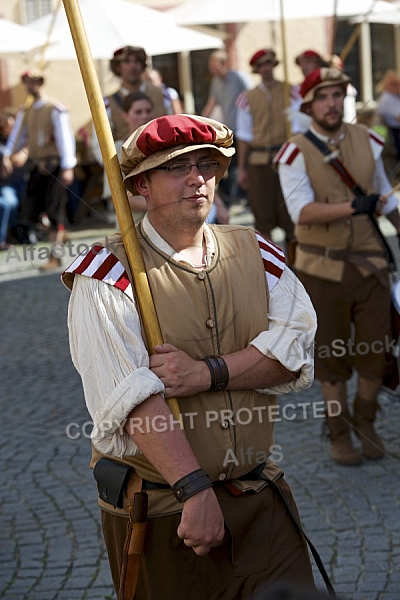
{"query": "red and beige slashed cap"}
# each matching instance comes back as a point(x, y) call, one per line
point(123, 54)
point(165, 138)
point(262, 56)
point(33, 74)
point(309, 54)
point(321, 78)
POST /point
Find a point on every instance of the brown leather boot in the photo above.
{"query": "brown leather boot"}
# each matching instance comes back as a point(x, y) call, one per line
point(343, 451)
point(339, 424)
point(53, 263)
point(363, 425)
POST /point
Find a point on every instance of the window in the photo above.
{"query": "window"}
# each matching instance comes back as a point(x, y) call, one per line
point(382, 53)
point(352, 61)
point(383, 50)
point(34, 9)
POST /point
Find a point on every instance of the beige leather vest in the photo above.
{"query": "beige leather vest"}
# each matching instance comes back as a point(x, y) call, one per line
point(211, 312)
point(269, 129)
point(353, 234)
point(41, 132)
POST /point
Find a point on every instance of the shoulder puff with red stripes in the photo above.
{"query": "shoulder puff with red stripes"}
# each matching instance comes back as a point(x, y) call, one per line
point(99, 263)
point(242, 101)
point(289, 154)
point(273, 260)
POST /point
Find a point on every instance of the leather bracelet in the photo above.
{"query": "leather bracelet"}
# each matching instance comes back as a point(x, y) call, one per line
point(191, 484)
point(219, 373)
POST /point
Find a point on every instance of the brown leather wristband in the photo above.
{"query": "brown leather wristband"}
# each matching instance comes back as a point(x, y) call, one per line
point(219, 373)
point(191, 484)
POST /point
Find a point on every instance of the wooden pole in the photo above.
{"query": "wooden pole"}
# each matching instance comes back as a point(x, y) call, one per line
point(111, 164)
point(286, 84)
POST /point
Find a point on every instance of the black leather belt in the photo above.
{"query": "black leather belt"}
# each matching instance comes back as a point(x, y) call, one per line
point(273, 148)
point(252, 475)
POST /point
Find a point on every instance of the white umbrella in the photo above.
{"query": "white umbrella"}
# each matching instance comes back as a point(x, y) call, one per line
point(383, 13)
point(111, 24)
point(15, 38)
point(205, 12)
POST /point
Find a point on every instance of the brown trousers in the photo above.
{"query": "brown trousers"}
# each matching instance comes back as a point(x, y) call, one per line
point(354, 329)
point(262, 546)
point(267, 203)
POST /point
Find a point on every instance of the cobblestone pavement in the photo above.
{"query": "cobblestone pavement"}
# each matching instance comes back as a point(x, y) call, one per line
point(51, 546)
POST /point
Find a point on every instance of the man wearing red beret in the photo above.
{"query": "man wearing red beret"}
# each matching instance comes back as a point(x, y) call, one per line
point(128, 64)
point(341, 259)
point(308, 61)
point(44, 128)
point(218, 525)
point(261, 130)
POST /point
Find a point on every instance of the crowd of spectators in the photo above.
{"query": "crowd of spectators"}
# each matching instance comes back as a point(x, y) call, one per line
point(256, 114)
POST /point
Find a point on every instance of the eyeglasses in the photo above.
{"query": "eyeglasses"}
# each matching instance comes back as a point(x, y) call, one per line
point(204, 167)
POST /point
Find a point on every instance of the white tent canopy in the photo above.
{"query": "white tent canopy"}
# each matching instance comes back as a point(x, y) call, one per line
point(111, 24)
point(15, 38)
point(390, 15)
point(205, 12)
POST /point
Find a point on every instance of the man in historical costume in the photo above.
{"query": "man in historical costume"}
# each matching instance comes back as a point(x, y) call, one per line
point(129, 64)
point(307, 61)
point(226, 85)
point(225, 356)
point(341, 259)
point(43, 127)
point(261, 130)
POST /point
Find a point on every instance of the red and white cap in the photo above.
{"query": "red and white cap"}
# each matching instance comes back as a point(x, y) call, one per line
point(162, 139)
point(309, 54)
point(262, 56)
point(321, 78)
point(33, 74)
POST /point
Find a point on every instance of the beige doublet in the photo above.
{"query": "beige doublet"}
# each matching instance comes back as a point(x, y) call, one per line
point(40, 131)
point(267, 110)
point(227, 318)
point(353, 234)
point(121, 129)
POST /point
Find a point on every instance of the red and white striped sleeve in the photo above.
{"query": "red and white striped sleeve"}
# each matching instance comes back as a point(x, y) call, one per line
point(99, 263)
point(273, 260)
point(288, 154)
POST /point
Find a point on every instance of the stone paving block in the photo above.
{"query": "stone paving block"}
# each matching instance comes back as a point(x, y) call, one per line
point(42, 595)
point(71, 594)
point(344, 588)
point(347, 574)
point(347, 560)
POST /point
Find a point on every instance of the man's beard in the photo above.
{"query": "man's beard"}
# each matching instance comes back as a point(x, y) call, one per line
point(330, 125)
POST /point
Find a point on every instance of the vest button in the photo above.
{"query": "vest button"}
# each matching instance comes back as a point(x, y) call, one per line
point(225, 424)
point(222, 476)
point(201, 275)
point(210, 323)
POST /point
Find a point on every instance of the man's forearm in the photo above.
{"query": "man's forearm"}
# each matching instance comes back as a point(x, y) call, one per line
point(184, 376)
point(168, 451)
point(394, 218)
point(202, 522)
point(243, 148)
point(318, 212)
point(208, 108)
point(249, 369)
